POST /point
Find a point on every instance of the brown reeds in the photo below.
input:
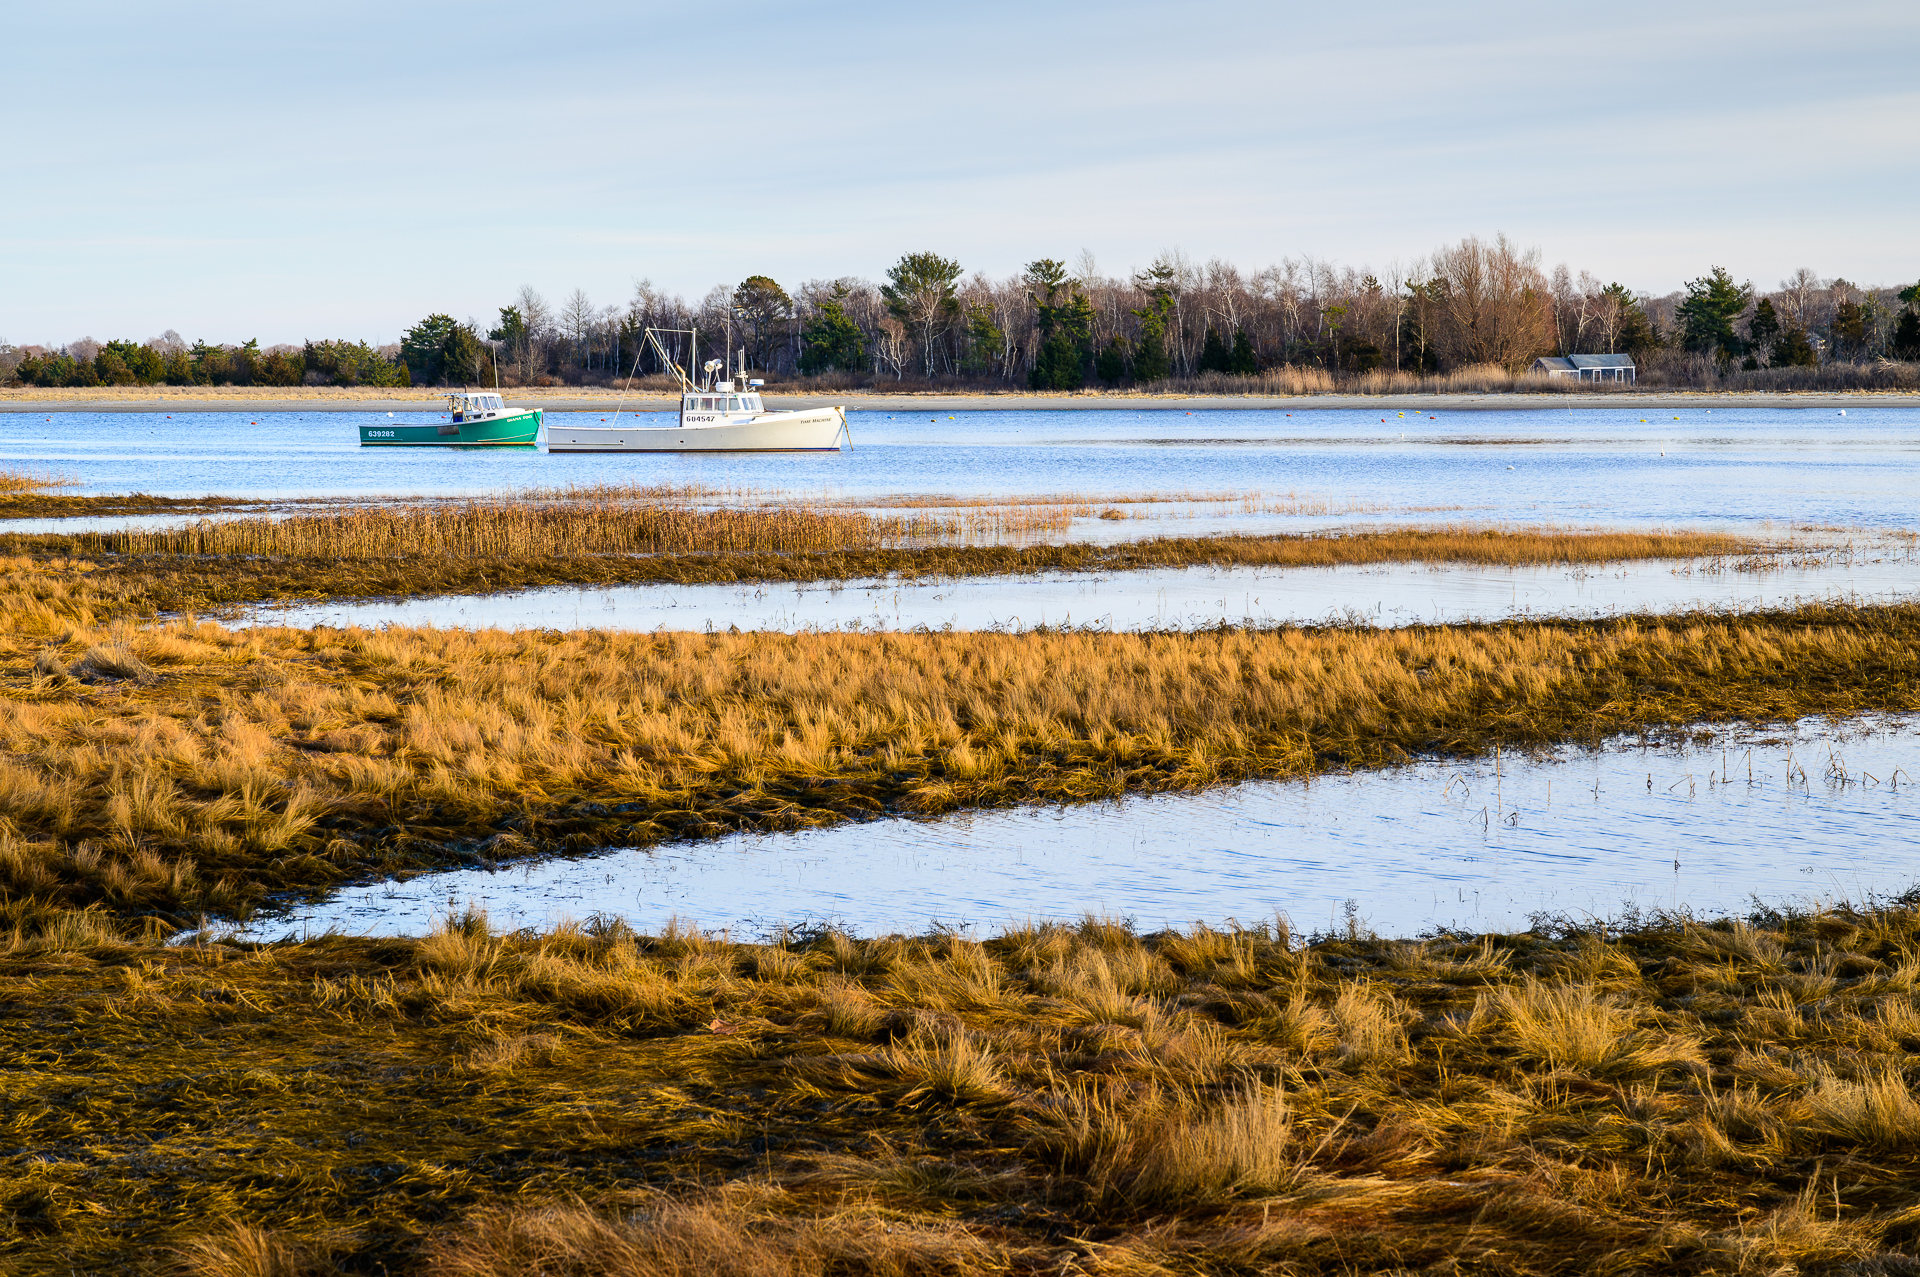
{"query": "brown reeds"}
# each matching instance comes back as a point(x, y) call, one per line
point(1669, 1096)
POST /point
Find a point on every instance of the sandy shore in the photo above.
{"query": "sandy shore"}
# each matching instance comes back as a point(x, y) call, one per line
point(575, 399)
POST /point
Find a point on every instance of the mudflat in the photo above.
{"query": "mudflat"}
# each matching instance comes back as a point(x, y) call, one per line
point(587, 399)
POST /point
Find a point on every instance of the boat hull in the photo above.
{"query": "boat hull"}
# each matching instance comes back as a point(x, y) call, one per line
point(814, 430)
point(511, 430)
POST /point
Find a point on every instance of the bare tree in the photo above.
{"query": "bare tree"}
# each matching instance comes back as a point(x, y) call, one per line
point(891, 348)
point(1496, 303)
point(576, 321)
point(1797, 293)
point(536, 316)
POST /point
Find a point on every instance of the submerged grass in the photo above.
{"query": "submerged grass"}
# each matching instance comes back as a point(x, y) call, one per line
point(595, 1101)
point(182, 767)
point(20, 482)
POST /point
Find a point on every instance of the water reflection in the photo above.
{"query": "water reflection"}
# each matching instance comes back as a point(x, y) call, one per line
point(1808, 812)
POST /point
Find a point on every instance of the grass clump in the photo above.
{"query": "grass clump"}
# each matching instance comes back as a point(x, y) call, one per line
point(473, 1103)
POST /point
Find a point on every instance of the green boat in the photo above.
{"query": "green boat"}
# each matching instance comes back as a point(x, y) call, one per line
point(473, 418)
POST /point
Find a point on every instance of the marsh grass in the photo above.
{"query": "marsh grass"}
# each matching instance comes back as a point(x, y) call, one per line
point(594, 1101)
point(15, 482)
point(366, 554)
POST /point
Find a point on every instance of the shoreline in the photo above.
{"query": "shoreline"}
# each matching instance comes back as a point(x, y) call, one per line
point(254, 399)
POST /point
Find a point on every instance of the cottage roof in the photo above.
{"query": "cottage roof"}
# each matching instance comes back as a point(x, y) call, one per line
point(1553, 363)
point(1601, 361)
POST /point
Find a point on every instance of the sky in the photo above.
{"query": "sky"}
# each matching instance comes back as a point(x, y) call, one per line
point(290, 172)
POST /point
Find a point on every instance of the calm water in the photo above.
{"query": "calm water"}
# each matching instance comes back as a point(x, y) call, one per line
point(1721, 467)
point(1806, 813)
point(1187, 598)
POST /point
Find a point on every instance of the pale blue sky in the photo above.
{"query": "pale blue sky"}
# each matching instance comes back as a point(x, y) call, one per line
point(284, 172)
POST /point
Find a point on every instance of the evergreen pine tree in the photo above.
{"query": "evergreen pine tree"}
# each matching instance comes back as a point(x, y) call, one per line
point(1065, 325)
point(831, 339)
point(1150, 362)
point(1906, 335)
point(1706, 317)
point(1111, 367)
point(1793, 350)
point(1213, 353)
point(1764, 328)
point(1242, 361)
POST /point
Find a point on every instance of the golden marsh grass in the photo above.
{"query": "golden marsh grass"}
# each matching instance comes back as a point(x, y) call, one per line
point(594, 1101)
point(484, 547)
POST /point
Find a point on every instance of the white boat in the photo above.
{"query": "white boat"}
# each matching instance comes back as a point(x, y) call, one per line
point(715, 416)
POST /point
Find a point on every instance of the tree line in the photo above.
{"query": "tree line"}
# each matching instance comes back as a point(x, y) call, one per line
point(168, 360)
point(1061, 327)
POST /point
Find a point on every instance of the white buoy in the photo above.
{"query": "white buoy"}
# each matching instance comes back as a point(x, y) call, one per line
point(1843, 412)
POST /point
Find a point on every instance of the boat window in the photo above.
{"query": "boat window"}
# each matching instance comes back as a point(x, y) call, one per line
point(733, 403)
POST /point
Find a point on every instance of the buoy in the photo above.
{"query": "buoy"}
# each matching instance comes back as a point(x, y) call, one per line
point(1509, 467)
point(1843, 412)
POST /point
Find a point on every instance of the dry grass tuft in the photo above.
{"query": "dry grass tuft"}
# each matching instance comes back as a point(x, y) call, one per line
point(706, 1237)
point(240, 1250)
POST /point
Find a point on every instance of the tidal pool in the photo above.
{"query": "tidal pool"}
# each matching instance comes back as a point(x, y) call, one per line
point(1708, 822)
point(1181, 598)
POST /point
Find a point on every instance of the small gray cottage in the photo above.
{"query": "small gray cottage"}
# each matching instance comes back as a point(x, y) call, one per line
point(1587, 367)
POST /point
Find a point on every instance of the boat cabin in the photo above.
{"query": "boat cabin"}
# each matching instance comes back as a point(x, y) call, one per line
point(718, 401)
point(466, 405)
